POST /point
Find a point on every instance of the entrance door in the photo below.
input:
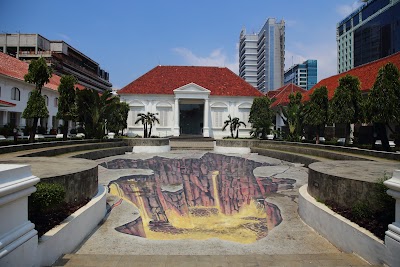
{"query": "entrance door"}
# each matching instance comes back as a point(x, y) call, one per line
point(191, 119)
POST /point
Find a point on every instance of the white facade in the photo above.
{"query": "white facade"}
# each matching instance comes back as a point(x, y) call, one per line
point(17, 92)
point(169, 108)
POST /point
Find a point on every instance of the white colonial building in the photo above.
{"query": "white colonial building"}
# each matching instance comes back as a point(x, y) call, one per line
point(14, 94)
point(189, 101)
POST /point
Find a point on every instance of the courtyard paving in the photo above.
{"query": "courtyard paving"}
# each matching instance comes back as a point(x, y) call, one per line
point(292, 243)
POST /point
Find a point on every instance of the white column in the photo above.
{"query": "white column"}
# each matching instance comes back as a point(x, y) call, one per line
point(18, 237)
point(176, 117)
point(206, 129)
point(5, 117)
point(392, 238)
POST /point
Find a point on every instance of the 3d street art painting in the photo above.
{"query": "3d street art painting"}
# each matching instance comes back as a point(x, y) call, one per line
point(215, 196)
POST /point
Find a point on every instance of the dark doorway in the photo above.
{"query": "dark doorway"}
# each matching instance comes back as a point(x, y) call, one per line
point(191, 118)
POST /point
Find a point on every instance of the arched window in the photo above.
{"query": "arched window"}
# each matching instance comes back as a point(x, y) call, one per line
point(46, 100)
point(15, 94)
point(56, 102)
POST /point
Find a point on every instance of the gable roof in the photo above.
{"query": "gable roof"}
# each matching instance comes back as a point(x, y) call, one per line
point(165, 79)
point(367, 74)
point(281, 95)
point(15, 68)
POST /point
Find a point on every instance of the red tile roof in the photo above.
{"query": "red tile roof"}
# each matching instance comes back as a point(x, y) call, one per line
point(367, 74)
point(165, 79)
point(6, 104)
point(17, 69)
point(281, 95)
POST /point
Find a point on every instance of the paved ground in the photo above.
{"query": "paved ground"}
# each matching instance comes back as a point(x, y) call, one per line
point(286, 260)
point(292, 236)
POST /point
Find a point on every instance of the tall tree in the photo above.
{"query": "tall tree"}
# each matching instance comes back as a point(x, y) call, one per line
point(39, 74)
point(383, 101)
point(142, 118)
point(66, 102)
point(228, 122)
point(293, 114)
point(93, 108)
point(151, 120)
point(117, 118)
point(346, 105)
point(316, 110)
point(261, 116)
point(148, 120)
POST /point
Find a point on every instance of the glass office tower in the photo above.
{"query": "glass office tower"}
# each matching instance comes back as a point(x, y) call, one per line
point(369, 33)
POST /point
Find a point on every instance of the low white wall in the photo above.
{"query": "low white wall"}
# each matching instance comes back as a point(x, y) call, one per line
point(236, 150)
point(341, 232)
point(151, 149)
point(18, 238)
point(66, 237)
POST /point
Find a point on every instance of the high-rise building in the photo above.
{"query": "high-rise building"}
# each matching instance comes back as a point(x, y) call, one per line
point(248, 57)
point(303, 75)
point(270, 56)
point(63, 58)
point(369, 33)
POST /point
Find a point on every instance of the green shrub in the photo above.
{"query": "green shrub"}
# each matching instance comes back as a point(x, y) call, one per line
point(47, 197)
point(361, 210)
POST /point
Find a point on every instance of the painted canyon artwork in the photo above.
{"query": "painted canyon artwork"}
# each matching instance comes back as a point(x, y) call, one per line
point(215, 196)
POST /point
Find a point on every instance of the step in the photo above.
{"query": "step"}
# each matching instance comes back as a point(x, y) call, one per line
point(333, 259)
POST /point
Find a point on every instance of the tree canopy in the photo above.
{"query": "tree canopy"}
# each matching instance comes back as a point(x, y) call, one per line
point(93, 109)
point(118, 116)
point(384, 98)
point(293, 116)
point(66, 102)
point(39, 74)
point(346, 105)
point(261, 116)
point(382, 106)
point(316, 110)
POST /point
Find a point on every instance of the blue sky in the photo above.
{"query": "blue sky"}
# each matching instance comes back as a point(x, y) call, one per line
point(128, 38)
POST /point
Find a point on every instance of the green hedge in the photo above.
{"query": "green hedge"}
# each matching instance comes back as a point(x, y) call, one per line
point(47, 197)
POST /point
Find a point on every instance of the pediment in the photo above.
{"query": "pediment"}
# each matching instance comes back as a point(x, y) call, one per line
point(192, 88)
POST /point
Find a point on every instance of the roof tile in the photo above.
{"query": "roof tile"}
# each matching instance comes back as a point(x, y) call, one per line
point(165, 79)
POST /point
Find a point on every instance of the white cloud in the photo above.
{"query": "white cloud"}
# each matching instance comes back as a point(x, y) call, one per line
point(217, 58)
point(64, 37)
point(345, 10)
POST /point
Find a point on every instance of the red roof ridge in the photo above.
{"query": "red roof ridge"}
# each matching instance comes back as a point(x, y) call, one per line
point(366, 73)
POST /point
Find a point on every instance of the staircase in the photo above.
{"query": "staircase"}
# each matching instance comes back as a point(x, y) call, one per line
point(192, 143)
